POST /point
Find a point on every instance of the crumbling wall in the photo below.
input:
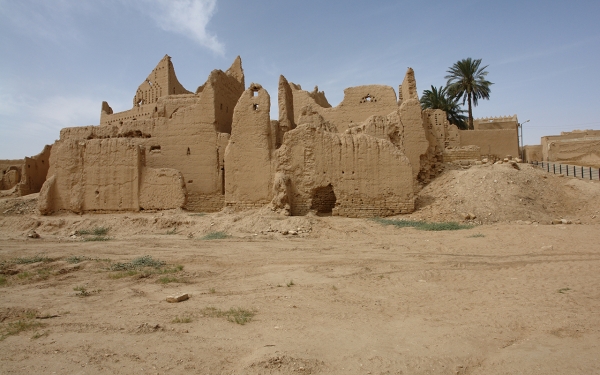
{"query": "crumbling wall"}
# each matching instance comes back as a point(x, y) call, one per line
point(359, 104)
point(34, 172)
point(285, 101)
point(582, 135)
point(461, 153)
point(10, 173)
point(492, 143)
point(248, 175)
point(107, 175)
point(365, 175)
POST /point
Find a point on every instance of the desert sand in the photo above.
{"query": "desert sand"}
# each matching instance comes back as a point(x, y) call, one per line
point(512, 294)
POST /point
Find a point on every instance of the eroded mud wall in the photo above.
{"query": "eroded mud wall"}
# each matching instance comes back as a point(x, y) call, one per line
point(34, 172)
point(494, 143)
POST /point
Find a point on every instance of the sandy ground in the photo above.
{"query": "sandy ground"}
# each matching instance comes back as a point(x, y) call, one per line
point(343, 296)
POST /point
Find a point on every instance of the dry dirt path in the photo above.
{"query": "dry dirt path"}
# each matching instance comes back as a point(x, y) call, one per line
point(365, 299)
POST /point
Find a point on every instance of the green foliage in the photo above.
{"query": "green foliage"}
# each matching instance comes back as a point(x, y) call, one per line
point(2, 281)
point(423, 225)
point(234, 315)
point(77, 259)
point(467, 81)
point(172, 231)
point(215, 236)
point(476, 235)
point(170, 279)
point(137, 263)
point(291, 283)
point(563, 290)
point(438, 98)
point(98, 231)
point(96, 238)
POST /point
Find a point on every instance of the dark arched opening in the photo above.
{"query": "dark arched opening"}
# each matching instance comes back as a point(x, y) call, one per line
point(323, 200)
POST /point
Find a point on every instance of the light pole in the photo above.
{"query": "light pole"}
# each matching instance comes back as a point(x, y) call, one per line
point(522, 149)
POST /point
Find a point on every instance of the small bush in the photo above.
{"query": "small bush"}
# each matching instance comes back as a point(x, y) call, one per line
point(76, 259)
point(120, 275)
point(137, 263)
point(168, 280)
point(2, 281)
point(98, 231)
point(291, 283)
point(172, 231)
point(215, 236)
point(423, 225)
point(96, 238)
point(478, 235)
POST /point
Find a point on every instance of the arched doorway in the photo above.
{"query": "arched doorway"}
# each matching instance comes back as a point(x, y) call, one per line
point(323, 200)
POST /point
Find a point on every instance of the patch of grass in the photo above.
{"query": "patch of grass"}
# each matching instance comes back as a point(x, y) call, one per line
point(137, 263)
point(198, 214)
point(563, 290)
point(212, 291)
point(291, 283)
point(235, 315)
point(40, 335)
point(3, 281)
point(83, 292)
point(215, 236)
point(120, 275)
point(29, 260)
point(185, 319)
point(423, 225)
point(77, 259)
point(172, 231)
point(477, 235)
point(334, 287)
point(17, 327)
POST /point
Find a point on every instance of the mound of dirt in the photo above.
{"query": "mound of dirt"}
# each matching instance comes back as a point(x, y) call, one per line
point(500, 193)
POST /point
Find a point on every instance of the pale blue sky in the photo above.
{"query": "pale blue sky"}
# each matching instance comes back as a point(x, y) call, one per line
point(59, 59)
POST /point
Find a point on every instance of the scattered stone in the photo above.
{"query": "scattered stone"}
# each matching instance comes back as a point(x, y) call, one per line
point(546, 248)
point(293, 232)
point(505, 160)
point(577, 221)
point(484, 160)
point(565, 221)
point(190, 235)
point(515, 165)
point(178, 298)
point(33, 234)
point(518, 160)
point(557, 221)
point(285, 232)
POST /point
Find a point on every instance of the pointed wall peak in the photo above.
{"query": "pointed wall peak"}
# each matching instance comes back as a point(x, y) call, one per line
point(408, 89)
point(236, 70)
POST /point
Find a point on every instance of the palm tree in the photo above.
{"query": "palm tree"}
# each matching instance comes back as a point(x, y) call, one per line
point(438, 98)
point(466, 81)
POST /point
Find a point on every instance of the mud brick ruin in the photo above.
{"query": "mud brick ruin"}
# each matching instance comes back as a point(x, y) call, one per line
point(218, 147)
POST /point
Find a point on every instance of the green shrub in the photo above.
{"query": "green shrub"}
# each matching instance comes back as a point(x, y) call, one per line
point(423, 225)
point(215, 236)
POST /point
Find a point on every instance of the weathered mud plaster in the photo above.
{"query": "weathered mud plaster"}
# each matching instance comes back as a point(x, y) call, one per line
point(248, 175)
point(355, 175)
point(34, 172)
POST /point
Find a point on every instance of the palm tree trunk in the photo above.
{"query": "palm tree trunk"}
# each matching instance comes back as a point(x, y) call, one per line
point(470, 112)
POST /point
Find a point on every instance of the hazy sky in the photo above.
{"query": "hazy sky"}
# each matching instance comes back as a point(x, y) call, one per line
point(59, 59)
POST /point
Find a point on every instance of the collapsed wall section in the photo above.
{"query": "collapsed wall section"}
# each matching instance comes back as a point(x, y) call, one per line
point(10, 173)
point(34, 172)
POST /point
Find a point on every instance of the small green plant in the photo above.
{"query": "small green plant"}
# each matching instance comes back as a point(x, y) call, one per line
point(137, 263)
point(291, 283)
point(172, 231)
point(478, 235)
point(423, 225)
point(279, 285)
point(17, 327)
point(3, 281)
point(83, 292)
point(235, 315)
point(96, 238)
point(185, 319)
point(215, 236)
point(212, 291)
point(334, 287)
point(563, 290)
point(198, 214)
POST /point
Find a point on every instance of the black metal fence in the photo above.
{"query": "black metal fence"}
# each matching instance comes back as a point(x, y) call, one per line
point(587, 173)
